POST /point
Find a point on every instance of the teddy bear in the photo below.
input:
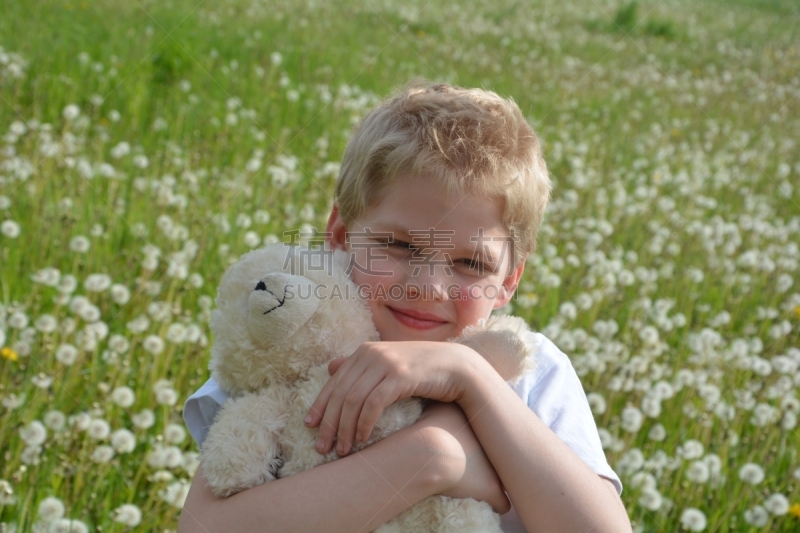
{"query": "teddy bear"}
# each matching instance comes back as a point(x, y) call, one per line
point(282, 314)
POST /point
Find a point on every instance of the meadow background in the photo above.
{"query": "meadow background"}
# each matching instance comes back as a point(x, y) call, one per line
point(147, 144)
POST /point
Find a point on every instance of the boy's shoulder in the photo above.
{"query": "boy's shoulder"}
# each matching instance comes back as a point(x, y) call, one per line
point(554, 391)
point(551, 364)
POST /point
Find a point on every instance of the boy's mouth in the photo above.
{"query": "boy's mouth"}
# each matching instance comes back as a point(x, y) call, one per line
point(416, 319)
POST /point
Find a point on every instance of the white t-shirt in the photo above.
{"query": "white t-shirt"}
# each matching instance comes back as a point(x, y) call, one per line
point(552, 390)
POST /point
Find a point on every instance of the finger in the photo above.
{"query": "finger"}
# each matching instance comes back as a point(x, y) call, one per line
point(329, 425)
point(334, 365)
point(317, 409)
point(375, 404)
point(352, 406)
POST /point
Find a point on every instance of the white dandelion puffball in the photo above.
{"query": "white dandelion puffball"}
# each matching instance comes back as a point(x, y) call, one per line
point(103, 454)
point(121, 150)
point(123, 441)
point(632, 419)
point(128, 514)
point(777, 504)
point(191, 460)
point(597, 403)
point(251, 239)
point(153, 344)
point(42, 381)
point(692, 449)
point(65, 525)
point(71, 112)
point(46, 323)
point(97, 282)
point(120, 294)
point(10, 229)
point(7, 493)
point(175, 494)
point(80, 421)
point(51, 508)
point(123, 396)
point(698, 472)
point(693, 519)
point(118, 343)
point(34, 434)
point(162, 476)
point(757, 516)
point(55, 420)
point(172, 457)
point(167, 396)
point(66, 354)
point(79, 244)
point(657, 433)
point(751, 473)
point(176, 333)
point(31, 455)
point(174, 433)
point(144, 419)
point(98, 429)
point(651, 499)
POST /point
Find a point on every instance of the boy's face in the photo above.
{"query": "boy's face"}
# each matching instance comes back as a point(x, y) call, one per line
point(429, 264)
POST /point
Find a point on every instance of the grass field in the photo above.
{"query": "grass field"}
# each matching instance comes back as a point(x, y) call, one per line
point(147, 144)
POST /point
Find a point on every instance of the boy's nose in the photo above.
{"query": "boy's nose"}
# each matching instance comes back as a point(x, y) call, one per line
point(428, 284)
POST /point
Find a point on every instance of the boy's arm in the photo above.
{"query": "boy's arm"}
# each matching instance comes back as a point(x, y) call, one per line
point(359, 492)
point(551, 488)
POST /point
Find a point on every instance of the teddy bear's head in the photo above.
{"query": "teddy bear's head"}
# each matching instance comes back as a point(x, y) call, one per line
point(282, 310)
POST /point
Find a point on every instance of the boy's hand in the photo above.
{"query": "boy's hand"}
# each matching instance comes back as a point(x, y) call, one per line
point(379, 374)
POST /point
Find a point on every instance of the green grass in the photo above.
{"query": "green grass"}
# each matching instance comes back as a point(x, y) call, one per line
point(695, 102)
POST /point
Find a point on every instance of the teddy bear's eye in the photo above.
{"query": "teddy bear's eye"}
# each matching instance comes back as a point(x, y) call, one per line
point(261, 286)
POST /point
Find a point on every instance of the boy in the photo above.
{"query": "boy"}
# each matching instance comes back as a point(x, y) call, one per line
point(440, 196)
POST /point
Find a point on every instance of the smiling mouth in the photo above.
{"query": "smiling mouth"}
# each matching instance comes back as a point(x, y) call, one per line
point(416, 320)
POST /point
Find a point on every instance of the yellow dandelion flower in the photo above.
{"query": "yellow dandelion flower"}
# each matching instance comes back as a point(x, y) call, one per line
point(8, 353)
point(797, 311)
point(794, 510)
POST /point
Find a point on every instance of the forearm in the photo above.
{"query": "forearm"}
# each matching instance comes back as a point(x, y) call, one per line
point(356, 493)
point(551, 488)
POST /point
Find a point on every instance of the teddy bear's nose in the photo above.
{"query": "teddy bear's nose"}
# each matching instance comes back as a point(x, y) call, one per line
point(261, 286)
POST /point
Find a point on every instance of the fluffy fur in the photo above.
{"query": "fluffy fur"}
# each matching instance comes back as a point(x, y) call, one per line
point(280, 319)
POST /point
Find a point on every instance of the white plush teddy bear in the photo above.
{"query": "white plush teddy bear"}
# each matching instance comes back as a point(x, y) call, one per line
point(283, 313)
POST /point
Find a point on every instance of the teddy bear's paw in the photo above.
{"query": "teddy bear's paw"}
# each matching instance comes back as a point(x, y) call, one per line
point(225, 482)
point(466, 516)
point(440, 514)
point(242, 449)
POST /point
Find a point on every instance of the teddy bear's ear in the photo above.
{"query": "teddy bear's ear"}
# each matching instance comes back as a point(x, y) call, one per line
point(505, 342)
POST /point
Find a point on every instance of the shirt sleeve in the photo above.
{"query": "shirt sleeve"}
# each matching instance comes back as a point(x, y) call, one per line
point(554, 392)
point(201, 408)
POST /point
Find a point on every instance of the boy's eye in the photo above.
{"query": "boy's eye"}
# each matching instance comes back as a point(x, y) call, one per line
point(477, 267)
point(401, 244)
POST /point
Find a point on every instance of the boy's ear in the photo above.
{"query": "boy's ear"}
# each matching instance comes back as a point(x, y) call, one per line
point(335, 231)
point(509, 286)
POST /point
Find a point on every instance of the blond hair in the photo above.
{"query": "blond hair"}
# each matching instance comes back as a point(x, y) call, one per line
point(469, 140)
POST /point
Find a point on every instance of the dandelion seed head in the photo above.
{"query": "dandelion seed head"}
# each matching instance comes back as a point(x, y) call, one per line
point(123, 441)
point(693, 519)
point(128, 515)
point(51, 508)
point(34, 434)
point(123, 396)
